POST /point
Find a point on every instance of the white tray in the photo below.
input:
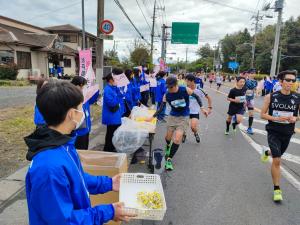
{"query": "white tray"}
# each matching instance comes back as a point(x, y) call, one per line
point(131, 184)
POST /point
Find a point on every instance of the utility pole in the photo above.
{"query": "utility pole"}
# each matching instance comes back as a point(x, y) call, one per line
point(257, 19)
point(163, 42)
point(278, 8)
point(99, 44)
point(152, 31)
point(83, 25)
point(279, 61)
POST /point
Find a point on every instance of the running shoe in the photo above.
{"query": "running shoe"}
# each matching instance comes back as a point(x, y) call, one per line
point(264, 158)
point(169, 164)
point(183, 138)
point(226, 132)
point(277, 196)
point(250, 131)
point(197, 138)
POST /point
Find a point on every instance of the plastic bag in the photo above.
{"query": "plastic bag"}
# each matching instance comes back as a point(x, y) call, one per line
point(129, 137)
point(140, 112)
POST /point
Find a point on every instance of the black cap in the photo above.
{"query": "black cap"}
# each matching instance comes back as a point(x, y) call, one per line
point(171, 82)
point(190, 77)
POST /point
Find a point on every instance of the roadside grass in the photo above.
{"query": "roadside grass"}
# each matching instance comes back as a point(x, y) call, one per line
point(15, 124)
point(96, 113)
point(15, 83)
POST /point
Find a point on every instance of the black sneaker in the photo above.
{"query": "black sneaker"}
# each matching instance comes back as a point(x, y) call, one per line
point(197, 138)
point(183, 138)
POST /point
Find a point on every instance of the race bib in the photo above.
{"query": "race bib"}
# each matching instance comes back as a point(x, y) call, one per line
point(277, 113)
point(178, 103)
point(242, 99)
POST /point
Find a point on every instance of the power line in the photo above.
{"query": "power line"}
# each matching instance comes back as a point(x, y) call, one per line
point(143, 14)
point(126, 15)
point(56, 10)
point(229, 6)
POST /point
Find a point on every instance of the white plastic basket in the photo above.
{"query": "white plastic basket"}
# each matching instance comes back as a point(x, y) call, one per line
point(131, 184)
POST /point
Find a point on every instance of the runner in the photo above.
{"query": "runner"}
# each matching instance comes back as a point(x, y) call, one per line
point(178, 120)
point(251, 86)
point(281, 109)
point(237, 99)
point(219, 80)
point(194, 107)
point(211, 79)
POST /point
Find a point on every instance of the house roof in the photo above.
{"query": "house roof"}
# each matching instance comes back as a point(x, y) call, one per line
point(67, 28)
point(16, 35)
point(22, 23)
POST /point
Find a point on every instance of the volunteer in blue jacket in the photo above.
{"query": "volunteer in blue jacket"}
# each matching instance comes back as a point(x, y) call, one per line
point(145, 94)
point(57, 188)
point(129, 94)
point(160, 91)
point(83, 132)
point(136, 83)
point(111, 111)
point(38, 118)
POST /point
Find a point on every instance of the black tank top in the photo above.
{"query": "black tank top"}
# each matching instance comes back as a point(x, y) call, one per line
point(283, 105)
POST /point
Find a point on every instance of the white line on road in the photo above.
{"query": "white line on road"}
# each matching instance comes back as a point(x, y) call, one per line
point(285, 173)
point(257, 120)
point(263, 132)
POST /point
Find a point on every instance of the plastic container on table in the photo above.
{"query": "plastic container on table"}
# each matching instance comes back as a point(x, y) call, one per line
point(133, 183)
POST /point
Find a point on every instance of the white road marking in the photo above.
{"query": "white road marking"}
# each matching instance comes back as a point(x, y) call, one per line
point(257, 120)
point(263, 132)
point(284, 172)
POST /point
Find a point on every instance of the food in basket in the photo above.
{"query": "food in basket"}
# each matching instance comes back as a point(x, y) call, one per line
point(150, 200)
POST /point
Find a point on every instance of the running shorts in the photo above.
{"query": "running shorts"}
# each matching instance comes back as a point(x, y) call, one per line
point(194, 116)
point(234, 112)
point(250, 104)
point(278, 143)
point(178, 123)
point(219, 85)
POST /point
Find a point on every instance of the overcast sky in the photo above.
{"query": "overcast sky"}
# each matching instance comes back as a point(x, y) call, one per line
point(215, 20)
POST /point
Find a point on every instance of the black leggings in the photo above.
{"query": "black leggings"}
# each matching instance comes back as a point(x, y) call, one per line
point(82, 142)
point(145, 98)
point(110, 130)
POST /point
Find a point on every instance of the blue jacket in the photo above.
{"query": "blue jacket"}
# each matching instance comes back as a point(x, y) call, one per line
point(57, 188)
point(112, 99)
point(136, 93)
point(38, 118)
point(160, 90)
point(87, 113)
point(129, 96)
point(268, 85)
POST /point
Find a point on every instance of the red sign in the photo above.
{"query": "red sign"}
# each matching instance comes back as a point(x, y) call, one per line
point(106, 27)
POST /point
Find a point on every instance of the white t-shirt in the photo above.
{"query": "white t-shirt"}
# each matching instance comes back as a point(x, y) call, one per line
point(219, 80)
point(194, 106)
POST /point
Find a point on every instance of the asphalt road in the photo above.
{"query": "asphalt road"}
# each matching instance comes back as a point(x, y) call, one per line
point(17, 96)
point(222, 181)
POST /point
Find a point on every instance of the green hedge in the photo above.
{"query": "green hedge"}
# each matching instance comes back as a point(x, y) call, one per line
point(8, 72)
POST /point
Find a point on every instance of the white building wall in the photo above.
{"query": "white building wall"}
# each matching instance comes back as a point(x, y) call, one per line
point(71, 70)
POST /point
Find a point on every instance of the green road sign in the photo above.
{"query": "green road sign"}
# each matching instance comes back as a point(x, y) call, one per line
point(185, 33)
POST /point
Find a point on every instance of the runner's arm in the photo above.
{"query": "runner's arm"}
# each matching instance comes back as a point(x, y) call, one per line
point(160, 109)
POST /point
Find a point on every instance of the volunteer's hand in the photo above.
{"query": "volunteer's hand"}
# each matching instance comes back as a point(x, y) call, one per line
point(120, 215)
point(116, 182)
point(292, 119)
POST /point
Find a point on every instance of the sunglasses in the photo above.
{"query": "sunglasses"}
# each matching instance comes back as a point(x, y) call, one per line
point(290, 80)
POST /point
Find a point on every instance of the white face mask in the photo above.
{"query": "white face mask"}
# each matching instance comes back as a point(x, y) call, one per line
point(78, 124)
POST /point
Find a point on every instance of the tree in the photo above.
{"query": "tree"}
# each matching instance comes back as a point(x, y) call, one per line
point(205, 51)
point(140, 56)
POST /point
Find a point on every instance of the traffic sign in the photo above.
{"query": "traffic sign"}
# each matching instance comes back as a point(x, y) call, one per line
point(185, 33)
point(106, 27)
point(106, 37)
